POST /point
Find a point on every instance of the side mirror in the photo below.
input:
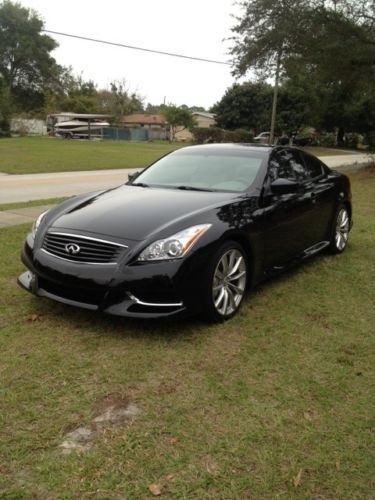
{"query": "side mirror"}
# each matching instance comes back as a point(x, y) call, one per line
point(284, 186)
point(133, 175)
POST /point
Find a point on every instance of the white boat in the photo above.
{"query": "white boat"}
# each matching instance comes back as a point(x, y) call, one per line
point(74, 125)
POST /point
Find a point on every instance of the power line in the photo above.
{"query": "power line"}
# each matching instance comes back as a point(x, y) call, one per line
point(106, 42)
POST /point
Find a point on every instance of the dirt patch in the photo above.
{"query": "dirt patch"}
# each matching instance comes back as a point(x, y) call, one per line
point(111, 411)
point(78, 440)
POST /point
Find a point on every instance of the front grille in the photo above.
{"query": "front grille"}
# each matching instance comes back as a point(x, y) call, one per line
point(82, 248)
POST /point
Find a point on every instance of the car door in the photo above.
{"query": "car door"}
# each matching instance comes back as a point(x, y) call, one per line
point(323, 196)
point(287, 217)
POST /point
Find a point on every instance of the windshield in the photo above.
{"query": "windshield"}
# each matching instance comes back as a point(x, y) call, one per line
point(225, 170)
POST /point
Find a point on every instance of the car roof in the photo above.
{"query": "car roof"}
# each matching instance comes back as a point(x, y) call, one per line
point(235, 146)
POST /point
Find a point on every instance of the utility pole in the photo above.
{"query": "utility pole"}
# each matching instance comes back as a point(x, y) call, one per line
point(274, 102)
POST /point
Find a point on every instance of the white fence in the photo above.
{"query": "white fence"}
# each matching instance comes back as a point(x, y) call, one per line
point(28, 126)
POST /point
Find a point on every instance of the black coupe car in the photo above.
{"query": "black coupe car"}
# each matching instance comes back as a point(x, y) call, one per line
point(190, 233)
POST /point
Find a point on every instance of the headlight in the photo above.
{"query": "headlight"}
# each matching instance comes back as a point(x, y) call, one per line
point(36, 224)
point(175, 246)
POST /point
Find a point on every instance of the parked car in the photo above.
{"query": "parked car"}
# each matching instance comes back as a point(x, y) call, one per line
point(263, 137)
point(190, 233)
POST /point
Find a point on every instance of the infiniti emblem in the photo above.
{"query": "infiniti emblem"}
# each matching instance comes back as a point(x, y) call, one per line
point(72, 248)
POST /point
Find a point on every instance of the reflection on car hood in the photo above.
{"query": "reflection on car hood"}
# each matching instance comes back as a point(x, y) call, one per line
point(135, 212)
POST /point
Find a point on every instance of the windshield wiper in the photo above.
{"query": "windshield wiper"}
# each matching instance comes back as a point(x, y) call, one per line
point(140, 184)
point(192, 188)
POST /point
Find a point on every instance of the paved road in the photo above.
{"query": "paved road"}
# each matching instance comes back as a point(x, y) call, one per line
point(20, 188)
point(27, 187)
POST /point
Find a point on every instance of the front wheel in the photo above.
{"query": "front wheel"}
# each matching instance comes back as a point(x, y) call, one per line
point(225, 282)
point(340, 230)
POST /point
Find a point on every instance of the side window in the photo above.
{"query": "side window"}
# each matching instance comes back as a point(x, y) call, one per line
point(313, 166)
point(287, 164)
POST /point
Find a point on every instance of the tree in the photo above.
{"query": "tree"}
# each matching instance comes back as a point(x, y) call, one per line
point(329, 42)
point(26, 64)
point(339, 56)
point(5, 110)
point(246, 105)
point(118, 101)
point(178, 119)
point(266, 35)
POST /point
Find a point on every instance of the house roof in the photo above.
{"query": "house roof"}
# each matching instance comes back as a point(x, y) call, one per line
point(145, 119)
point(80, 115)
point(204, 113)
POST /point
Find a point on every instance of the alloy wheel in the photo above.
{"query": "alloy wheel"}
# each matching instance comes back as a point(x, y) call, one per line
point(342, 229)
point(229, 282)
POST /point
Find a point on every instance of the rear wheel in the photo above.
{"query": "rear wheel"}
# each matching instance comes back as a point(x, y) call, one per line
point(340, 230)
point(225, 282)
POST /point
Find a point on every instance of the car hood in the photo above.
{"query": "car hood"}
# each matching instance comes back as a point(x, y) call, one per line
point(135, 213)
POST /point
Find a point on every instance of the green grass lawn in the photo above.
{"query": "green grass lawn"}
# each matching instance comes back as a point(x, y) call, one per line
point(32, 203)
point(274, 403)
point(320, 151)
point(29, 155)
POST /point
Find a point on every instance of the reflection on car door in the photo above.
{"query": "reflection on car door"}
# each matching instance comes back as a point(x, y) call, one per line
point(323, 196)
point(288, 218)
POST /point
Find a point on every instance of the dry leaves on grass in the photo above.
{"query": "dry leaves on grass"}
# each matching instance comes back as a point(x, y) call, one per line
point(155, 489)
point(297, 480)
point(33, 317)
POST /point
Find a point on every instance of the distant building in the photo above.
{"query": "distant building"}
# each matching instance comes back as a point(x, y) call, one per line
point(156, 125)
point(144, 120)
point(202, 120)
point(158, 128)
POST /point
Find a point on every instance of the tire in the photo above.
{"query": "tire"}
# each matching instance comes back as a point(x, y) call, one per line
point(225, 282)
point(340, 230)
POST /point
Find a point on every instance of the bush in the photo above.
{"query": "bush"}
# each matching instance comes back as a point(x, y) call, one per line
point(328, 140)
point(238, 135)
point(22, 131)
point(207, 135)
point(352, 140)
point(370, 140)
point(4, 128)
point(215, 134)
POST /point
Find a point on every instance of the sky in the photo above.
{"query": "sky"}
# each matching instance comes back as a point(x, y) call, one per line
point(193, 27)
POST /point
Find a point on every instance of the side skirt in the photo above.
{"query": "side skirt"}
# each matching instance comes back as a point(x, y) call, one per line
point(308, 252)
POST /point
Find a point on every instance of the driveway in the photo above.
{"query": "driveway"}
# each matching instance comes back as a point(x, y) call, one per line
point(27, 187)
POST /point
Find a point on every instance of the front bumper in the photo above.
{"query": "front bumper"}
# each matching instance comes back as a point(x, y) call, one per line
point(128, 305)
point(152, 290)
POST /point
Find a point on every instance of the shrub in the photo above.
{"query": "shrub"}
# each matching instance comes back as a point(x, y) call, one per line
point(215, 134)
point(352, 140)
point(370, 140)
point(207, 135)
point(328, 140)
point(4, 128)
point(22, 131)
point(239, 135)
